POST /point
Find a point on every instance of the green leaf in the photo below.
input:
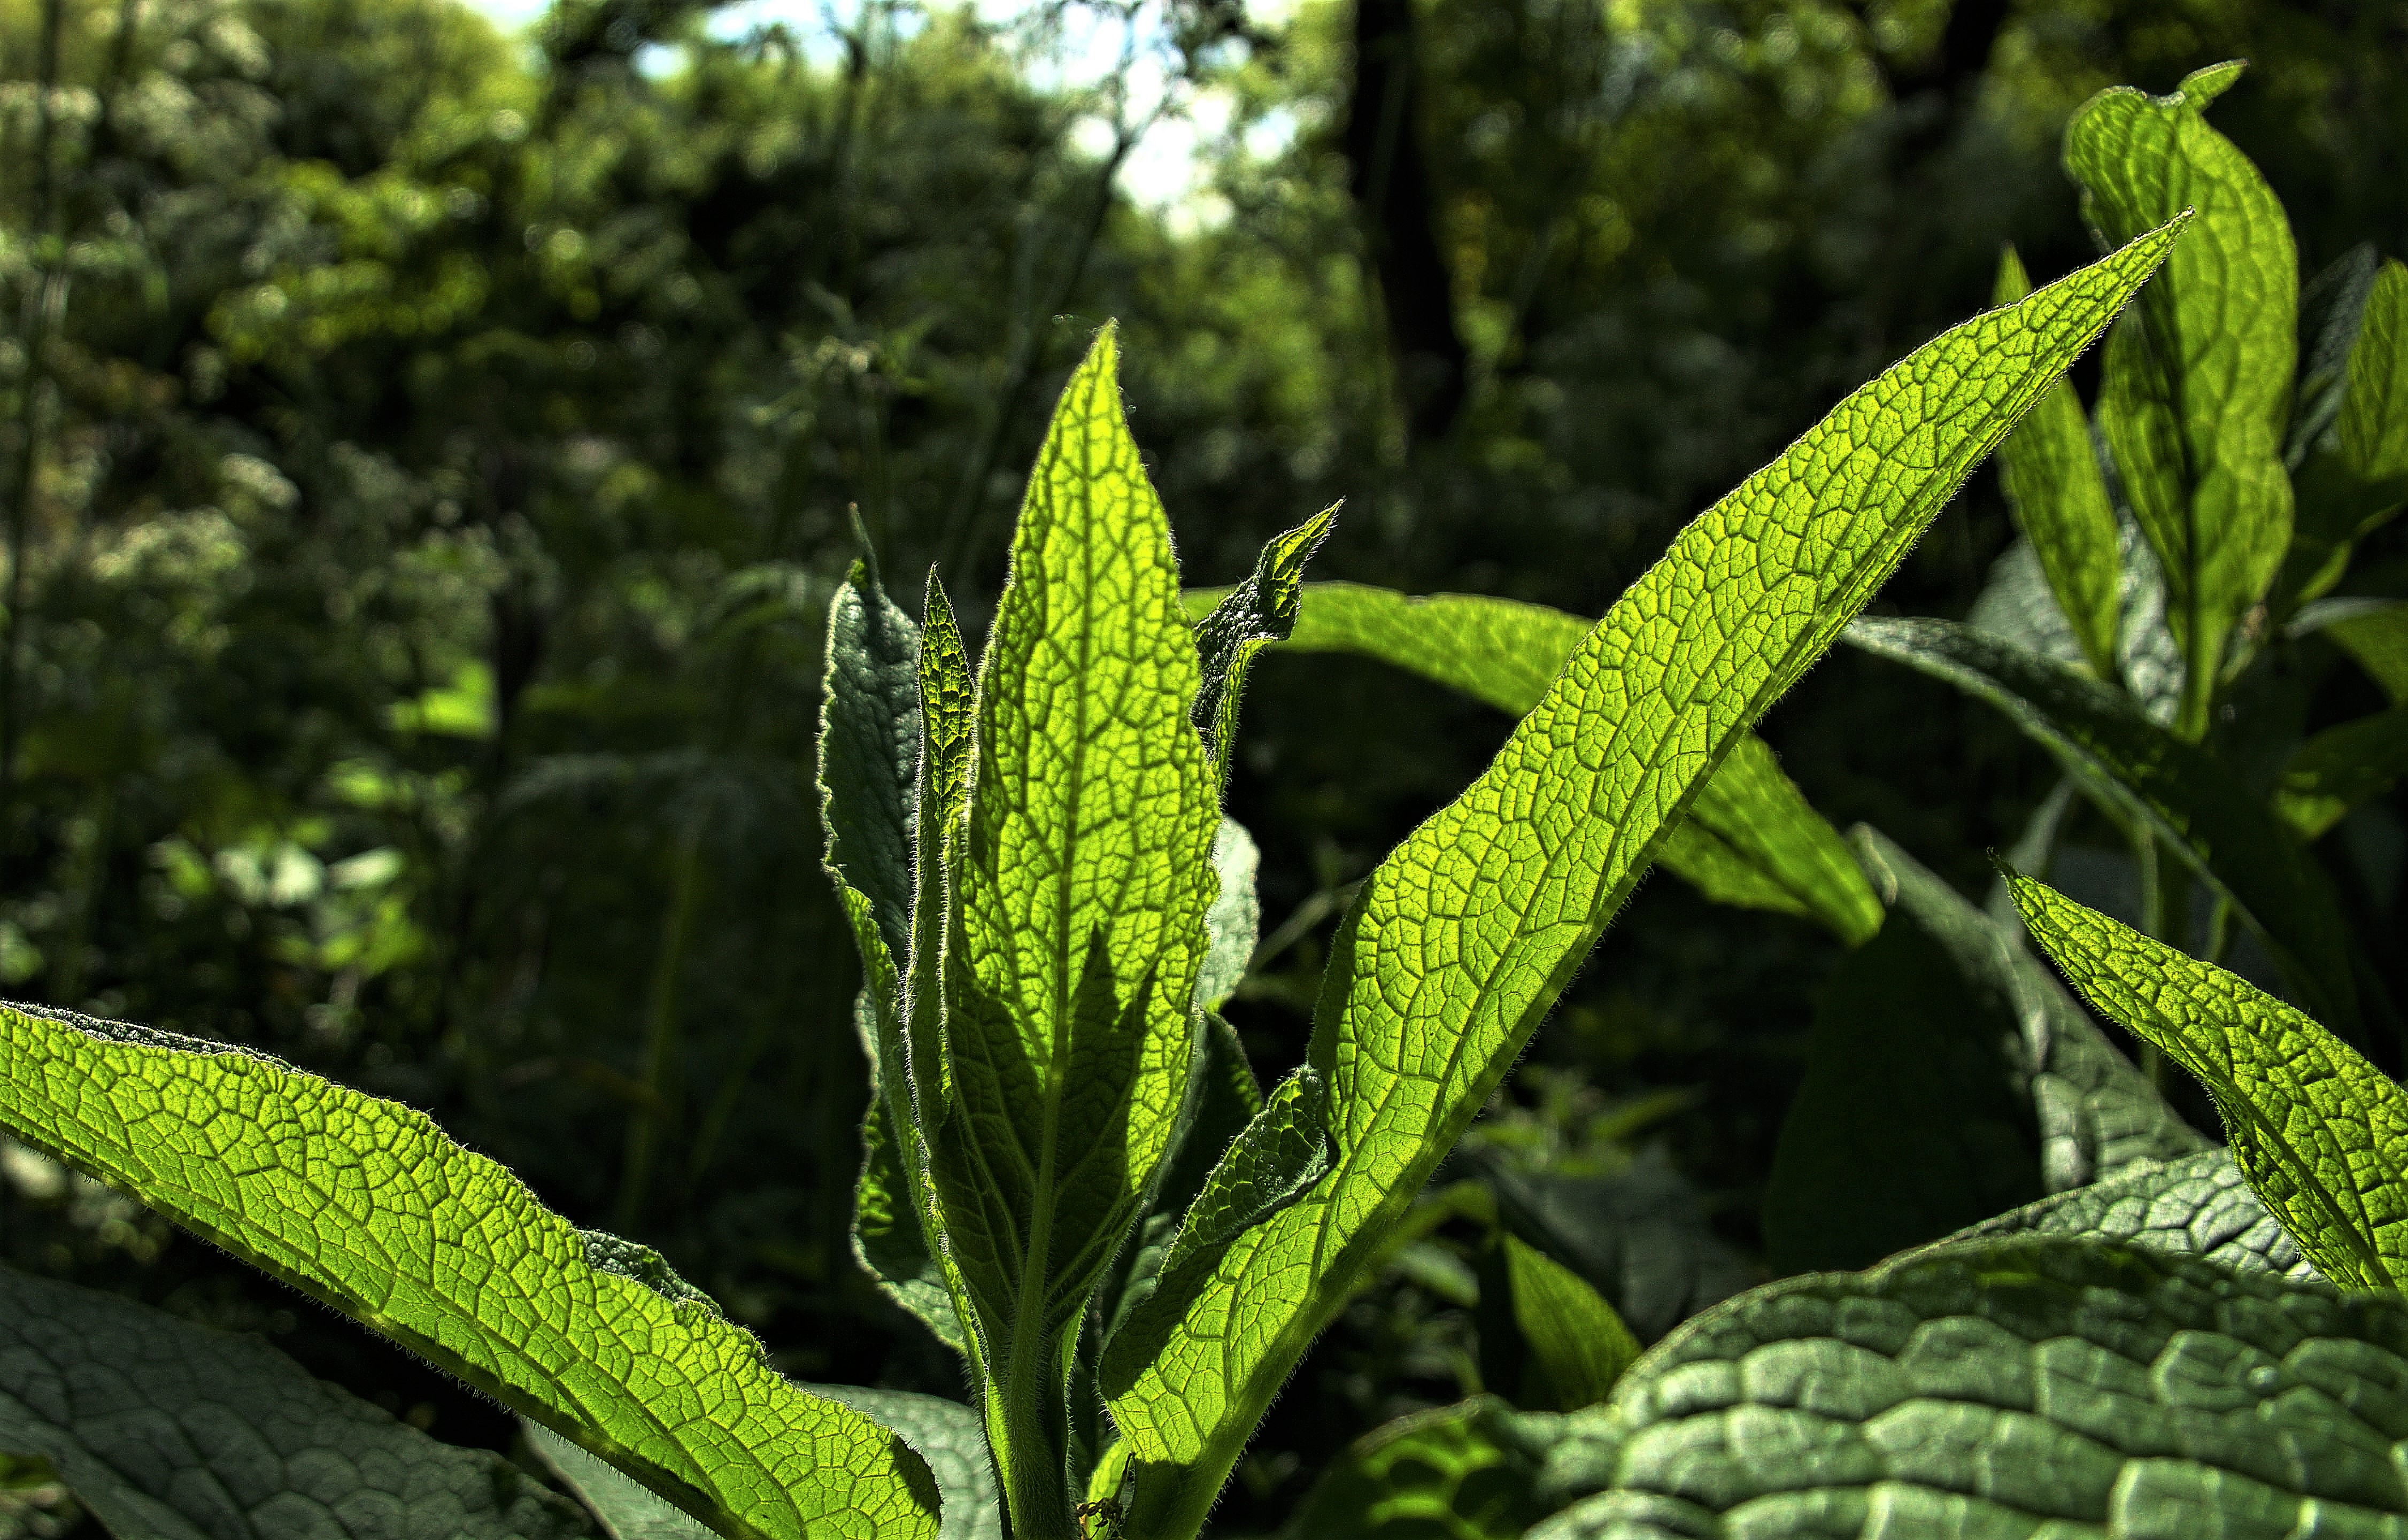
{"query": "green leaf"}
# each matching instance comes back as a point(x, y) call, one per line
point(2332, 312)
point(2208, 352)
point(2040, 1387)
point(2058, 498)
point(1750, 838)
point(2341, 767)
point(2353, 468)
point(1083, 879)
point(365, 1205)
point(1639, 1236)
point(1234, 921)
point(2321, 1133)
point(1459, 941)
point(952, 1438)
point(1578, 1347)
point(2235, 845)
point(168, 1430)
point(888, 1236)
point(1257, 612)
point(2374, 632)
point(2200, 1205)
point(1949, 1078)
point(1466, 1472)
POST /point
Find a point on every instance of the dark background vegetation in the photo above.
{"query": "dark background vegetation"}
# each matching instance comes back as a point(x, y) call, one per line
point(426, 459)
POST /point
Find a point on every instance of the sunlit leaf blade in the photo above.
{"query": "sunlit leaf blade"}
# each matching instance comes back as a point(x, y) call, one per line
point(365, 1204)
point(2058, 498)
point(1577, 1346)
point(1256, 613)
point(2341, 767)
point(168, 1431)
point(1949, 1078)
point(952, 1438)
point(1460, 942)
point(2373, 631)
point(1750, 838)
point(2171, 788)
point(1467, 1472)
point(2038, 1387)
point(2321, 1133)
point(2220, 330)
point(2200, 1205)
point(1084, 875)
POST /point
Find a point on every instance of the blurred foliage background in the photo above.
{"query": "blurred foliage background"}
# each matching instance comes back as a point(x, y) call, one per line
point(425, 455)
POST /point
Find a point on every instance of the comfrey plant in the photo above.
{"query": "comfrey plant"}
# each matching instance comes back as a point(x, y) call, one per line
point(1071, 1175)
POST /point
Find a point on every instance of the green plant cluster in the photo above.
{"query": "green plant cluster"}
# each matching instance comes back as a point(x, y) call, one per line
point(1071, 1175)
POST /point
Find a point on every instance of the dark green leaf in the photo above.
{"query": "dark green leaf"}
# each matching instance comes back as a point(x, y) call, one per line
point(2200, 1205)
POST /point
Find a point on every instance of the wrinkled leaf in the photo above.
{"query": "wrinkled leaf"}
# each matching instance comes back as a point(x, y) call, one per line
point(2199, 376)
point(2200, 1205)
point(2172, 788)
point(169, 1430)
point(1083, 876)
point(1458, 943)
point(365, 1204)
point(2039, 1386)
point(1750, 838)
point(2321, 1133)
point(2058, 499)
point(1257, 612)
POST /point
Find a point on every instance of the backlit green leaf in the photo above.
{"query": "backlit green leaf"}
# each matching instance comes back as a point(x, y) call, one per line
point(168, 1431)
point(1750, 838)
point(2169, 787)
point(2321, 1133)
point(2040, 1388)
point(2341, 767)
point(1458, 943)
point(2200, 1205)
point(2353, 476)
point(2374, 632)
point(2058, 498)
point(1080, 886)
point(1256, 613)
point(2217, 329)
point(365, 1204)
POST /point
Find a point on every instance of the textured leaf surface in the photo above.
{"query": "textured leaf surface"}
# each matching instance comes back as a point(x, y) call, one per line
point(1460, 940)
point(2321, 1133)
point(952, 1438)
point(166, 1429)
point(2172, 788)
point(1750, 838)
point(2043, 1387)
point(2373, 422)
point(2200, 1205)
point(1084, 874)
point(627, 1509)
point(2341, 767)
point(1257, 612)
point(1466, 1472)
point(1234, 921)
point(2217, 329)
point(365, 1204)
point(2058, 498)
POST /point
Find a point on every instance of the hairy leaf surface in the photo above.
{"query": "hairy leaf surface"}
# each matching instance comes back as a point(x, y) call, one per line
point(365, 1204)
point(1460, 942)
point(1257, 612)
point(2167, 786)
point(169, 1430)
point(2321, 1133)
point(1081, 885)
point(2208, 353)
point(2050, 471)
point(2034, 1387)
point(1750, 838)
point(2200, 1205)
